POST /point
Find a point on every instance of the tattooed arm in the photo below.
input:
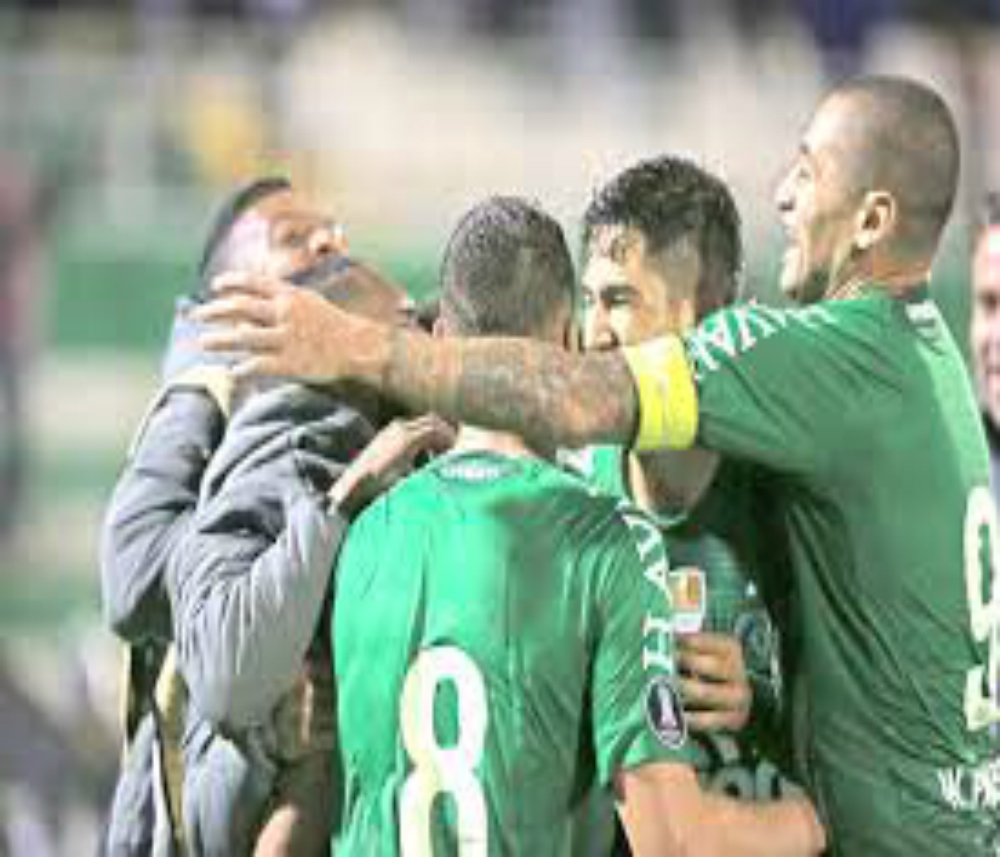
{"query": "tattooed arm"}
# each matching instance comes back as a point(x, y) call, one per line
point(549, 396)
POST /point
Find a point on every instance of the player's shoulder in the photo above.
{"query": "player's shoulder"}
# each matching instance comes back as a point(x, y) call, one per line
point(573, 486)
point(410, 494)
point(600, 466)
point(827, 327)
point(588, 516)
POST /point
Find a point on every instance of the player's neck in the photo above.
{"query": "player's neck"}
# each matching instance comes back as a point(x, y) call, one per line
point(891, 276)
point(475, 439)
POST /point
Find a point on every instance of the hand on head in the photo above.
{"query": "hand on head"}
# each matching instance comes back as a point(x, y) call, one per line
point(278, 329)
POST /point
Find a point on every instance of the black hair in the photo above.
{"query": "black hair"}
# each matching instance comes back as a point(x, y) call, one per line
point(238, 202)
point(670, 199)
point(909, 148)
point(506, 270)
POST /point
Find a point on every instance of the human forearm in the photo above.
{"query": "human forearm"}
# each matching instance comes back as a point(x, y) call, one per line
point(666, 814)
point(246, 610)
point(782, 828)
point(551, 397)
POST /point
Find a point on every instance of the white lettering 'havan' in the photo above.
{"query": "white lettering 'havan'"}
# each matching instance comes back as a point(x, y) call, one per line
point(657, 630)
point(736, 331)
point(658, 643)
point(649, 543)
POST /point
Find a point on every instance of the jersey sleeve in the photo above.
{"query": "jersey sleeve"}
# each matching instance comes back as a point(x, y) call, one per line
point(600, 466)
point(636, 708)
point(779, 387)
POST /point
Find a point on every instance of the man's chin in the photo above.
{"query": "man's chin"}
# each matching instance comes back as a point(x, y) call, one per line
point(801, 289)
point(792, 285)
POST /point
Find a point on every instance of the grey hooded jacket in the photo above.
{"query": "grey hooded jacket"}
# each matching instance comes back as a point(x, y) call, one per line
point(224, 546)
point(248, 581)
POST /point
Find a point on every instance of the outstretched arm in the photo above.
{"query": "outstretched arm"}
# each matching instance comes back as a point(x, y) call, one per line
point(545, 394)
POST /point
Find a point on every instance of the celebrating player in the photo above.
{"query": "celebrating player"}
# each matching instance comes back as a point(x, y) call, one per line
point(662, 250)
point(858, 409)
point(502, 638)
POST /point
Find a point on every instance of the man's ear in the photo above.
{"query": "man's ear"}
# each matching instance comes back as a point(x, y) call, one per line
point(876, 219)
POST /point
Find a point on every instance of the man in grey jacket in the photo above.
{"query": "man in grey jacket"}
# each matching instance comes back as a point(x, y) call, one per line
point(221, 537)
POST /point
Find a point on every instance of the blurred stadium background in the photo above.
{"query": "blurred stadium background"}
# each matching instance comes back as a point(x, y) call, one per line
point(123, 123)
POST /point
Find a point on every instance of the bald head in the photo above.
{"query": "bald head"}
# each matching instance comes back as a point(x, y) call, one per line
point(902, 139)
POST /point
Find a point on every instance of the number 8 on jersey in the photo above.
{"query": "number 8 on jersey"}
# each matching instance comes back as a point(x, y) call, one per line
point(443, 770)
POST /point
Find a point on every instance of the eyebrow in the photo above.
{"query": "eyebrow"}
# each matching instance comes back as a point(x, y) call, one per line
point(613, 286)
point(300, 218)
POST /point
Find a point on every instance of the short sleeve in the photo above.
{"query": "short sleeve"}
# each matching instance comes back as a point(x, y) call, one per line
point(602, 467)
point(635, 700)
point(777, 387)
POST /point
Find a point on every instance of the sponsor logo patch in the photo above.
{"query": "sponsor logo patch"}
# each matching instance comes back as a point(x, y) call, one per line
point(689, 593)
point(664, 712)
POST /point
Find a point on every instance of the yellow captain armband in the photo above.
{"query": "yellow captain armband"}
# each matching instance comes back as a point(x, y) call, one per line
point(668, 401)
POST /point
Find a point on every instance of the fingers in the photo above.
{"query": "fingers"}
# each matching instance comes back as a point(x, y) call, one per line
point(710, 667)
point(260, 340)
point(713, 683)
point(718, 657)
point(711, 720)
point(706, 642)
point(404, 440)
point(710, 706)
point(700, 694)
point(430, 433)
point(237, 307)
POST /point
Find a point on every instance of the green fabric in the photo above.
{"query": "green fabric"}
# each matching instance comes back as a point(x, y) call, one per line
point(733, 764)
point(521, 607)
point(863, 413)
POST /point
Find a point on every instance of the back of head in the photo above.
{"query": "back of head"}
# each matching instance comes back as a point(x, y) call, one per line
point(507, 271)
point(669, 200)
point(905, 142)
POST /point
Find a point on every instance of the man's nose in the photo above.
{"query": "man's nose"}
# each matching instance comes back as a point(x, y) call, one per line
point(600, 335)
point(321, 241)
point(784, 198)
point(327, 238)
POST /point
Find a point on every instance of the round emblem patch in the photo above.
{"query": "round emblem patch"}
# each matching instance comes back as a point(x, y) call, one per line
point(664, 712)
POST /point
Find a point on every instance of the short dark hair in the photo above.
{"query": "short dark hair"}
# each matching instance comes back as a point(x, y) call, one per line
point(910, 148)
point(506, 270)
point(236, 204)
point(669, 199)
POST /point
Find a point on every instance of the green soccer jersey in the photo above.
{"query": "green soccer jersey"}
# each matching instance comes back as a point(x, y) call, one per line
point(862, 412)
point(502, 640)
point(711, 592)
